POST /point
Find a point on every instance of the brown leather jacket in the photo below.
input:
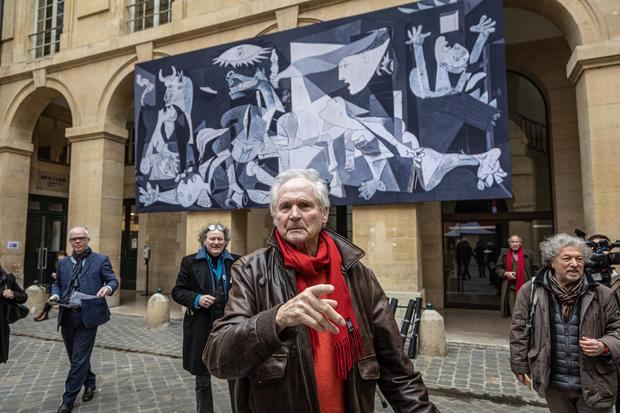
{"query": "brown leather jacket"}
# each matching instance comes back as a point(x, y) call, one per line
point(598, 318)
point(275, 373)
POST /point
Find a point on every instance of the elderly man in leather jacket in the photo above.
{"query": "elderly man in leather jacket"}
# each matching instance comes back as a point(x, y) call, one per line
point(307, 326)
point(565, 332)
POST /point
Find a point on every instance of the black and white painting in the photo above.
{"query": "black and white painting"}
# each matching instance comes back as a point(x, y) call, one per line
point(401, 105)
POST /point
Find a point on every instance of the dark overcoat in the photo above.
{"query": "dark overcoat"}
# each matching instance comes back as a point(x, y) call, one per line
point(194, 278)
point(7, 281)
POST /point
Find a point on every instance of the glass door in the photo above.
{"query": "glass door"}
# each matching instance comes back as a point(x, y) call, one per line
point(45, 237)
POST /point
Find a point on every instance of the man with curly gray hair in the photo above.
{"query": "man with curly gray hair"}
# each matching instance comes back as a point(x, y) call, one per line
point(565, 332)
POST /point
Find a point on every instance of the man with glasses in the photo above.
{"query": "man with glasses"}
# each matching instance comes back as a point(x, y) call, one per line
point(90, 274)
point(202, 287)
point(565, 332)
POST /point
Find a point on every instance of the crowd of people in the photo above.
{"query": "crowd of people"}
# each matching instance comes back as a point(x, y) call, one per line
point(303, 321)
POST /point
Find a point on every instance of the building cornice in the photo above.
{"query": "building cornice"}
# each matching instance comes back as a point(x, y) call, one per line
point(15, 150)
point(94, 132)
point(592, 56)
point(174, 32)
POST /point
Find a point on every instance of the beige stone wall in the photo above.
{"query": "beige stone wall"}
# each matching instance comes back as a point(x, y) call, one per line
point(13, 207)
point(598, 99)
point(431, 238)
point(165, 234)
point(260, 225)
point(390, 236)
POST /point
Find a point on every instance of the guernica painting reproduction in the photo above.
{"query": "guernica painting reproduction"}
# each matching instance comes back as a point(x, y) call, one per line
point(406, 104)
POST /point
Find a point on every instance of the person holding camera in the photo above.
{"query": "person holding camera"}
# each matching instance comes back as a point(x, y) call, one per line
point(565, 332)
point(514, 267)
point(603, 241)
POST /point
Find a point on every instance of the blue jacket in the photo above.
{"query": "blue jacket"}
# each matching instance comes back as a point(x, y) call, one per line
point(96, 272)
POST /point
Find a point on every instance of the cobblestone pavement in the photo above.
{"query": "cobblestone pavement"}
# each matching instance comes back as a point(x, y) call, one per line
point(33, 381)
point(126, 350)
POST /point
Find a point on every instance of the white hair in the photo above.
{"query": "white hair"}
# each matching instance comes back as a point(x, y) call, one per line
point(81, 229)
point(311, 175)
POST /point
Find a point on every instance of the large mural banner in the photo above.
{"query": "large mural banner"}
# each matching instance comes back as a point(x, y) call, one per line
point(401, 105)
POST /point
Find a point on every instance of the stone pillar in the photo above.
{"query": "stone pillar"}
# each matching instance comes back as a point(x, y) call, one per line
point(390, 236)
point(37, 297)
point(96, 190)
point(432, 334)
point(431, 238)
point(158, 311)
point(598, 108)
point(235, 220)
point(14, 179)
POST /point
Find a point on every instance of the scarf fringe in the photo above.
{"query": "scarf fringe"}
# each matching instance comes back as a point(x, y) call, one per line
point(347, 352)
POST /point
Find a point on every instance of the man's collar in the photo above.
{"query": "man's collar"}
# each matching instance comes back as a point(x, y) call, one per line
point(349, 252)
point(202, 254)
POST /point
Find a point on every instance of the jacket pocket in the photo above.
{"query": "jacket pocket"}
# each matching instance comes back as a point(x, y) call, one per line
point(272, 368)
point(272, 387)
point(604, 365)
point(369, 368)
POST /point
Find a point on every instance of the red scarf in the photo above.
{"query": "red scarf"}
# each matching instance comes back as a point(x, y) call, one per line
point(348, 342)
point(520, 267)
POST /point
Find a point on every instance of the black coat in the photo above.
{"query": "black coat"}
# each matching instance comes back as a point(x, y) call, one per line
point(7, 281)
point(195, 278)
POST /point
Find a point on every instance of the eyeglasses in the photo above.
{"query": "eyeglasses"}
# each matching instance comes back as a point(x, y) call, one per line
point(216, 227)
point(78, 239)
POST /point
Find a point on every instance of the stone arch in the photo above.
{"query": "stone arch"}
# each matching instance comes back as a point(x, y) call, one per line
point(301, 22)
point(112, 110)
point(578, 20)
point(29, 103)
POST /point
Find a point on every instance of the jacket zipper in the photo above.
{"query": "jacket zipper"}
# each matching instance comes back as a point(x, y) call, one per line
point(299, 352)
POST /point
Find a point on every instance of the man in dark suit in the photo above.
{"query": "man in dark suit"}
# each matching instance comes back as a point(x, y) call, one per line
point(89, 273)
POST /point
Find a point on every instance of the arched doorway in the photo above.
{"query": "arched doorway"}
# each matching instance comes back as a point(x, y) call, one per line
point(48, 193)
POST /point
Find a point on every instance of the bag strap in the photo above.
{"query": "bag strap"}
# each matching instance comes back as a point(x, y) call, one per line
point(531, 310)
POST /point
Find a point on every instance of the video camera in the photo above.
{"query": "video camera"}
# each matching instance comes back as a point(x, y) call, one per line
point(599, 266)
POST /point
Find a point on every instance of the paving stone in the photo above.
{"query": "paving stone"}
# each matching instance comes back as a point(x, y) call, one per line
point(140, 370)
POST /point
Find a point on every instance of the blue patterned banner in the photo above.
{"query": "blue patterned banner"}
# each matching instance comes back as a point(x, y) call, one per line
point(401, 105)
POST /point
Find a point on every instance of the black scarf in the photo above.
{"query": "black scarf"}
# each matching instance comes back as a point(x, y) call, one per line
point(74, 284)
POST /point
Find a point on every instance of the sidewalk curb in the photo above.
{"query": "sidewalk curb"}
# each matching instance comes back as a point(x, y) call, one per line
point(479, 345)
point(495, 398)
point(103, 346)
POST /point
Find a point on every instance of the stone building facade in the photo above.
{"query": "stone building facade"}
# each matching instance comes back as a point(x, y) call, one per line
point(66, 120)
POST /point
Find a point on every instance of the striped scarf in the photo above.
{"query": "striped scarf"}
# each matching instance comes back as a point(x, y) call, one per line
point(566, 296)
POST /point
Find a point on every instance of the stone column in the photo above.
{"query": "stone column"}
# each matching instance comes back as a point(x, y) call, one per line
point(14, 179)
point(96, 190)
point(390, 236)
point(431, 239)
point(598, 105)
point(235, 220)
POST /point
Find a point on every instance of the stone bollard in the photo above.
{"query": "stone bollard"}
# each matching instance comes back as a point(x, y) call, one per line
point(37, 297)
point(432, 333)
point(158, 310)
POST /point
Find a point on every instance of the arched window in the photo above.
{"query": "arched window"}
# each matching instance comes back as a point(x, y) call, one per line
point(487, 224)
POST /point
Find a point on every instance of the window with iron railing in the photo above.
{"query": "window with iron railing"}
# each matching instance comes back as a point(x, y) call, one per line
point(144, 14)
point(48, 23)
